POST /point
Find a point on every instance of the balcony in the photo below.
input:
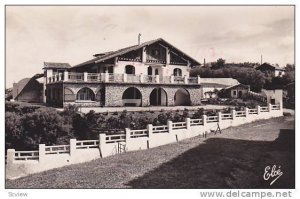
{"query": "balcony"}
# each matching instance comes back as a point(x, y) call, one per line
point(121, 78)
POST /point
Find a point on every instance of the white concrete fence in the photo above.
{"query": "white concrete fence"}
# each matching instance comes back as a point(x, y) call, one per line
point(21, 163)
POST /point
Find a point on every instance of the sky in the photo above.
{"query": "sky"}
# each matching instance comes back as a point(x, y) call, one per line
point(72, 34)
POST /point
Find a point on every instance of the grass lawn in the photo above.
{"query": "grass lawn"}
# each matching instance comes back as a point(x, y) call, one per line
point(234, 159)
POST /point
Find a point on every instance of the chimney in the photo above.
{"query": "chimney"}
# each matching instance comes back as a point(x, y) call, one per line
point(204, 62)
point(139, 38)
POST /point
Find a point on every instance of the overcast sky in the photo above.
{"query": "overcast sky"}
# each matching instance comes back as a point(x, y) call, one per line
point(73, 34)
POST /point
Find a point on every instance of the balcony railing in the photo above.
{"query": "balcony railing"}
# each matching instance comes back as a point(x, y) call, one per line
point(121, 78)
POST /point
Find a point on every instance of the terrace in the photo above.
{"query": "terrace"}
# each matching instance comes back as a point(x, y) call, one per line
point(120, 78)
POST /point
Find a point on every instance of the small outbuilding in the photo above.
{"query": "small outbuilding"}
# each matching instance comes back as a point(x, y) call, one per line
point(29, 90)
point(236, 91)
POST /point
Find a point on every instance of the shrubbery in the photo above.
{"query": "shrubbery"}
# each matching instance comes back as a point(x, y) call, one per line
point(25, 128)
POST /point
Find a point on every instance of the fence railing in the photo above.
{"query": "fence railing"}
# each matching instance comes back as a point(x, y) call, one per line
point(252, 111)
point(160, 129)
point(119, 136)
point(138, 133)
point(94, 77)
point(115, 138)
point(210, 119)
point(26, 155)
point(58, 149)
point(226, 116)
point(179, 125)
point(76, 77)
point(115, 77)
point(193, 80)
point(275, 107)
point(164, 79)
point(133, 78)
point(150, 78)
point(264, 109)
point(195, 122)
point(240, 114)
point(87, 144)
point(178, 79)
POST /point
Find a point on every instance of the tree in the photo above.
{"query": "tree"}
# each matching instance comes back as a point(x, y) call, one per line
point(219, 64)
point(290, 67)
point(13, 131)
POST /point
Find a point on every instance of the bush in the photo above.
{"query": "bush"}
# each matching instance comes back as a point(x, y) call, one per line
point(20, 108)
point(13, 131)
point(26, 132)
point(42, 127)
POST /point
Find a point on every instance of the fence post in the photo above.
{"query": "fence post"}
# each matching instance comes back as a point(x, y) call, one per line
point(150, 133)
point(157, 78)
point(42, 153)
point(66, 76)
point(102, 143)
point(85, 75)
point(172, 79)
point(280, 108)
point(219, 116)
point(246, 112)
point(185, 80)
point(170, 126)
point(150, 130)
point(198, 79)
point(141, 78)
point(204, 120)
point(10, 156)
point(270, 107)
point(188, 123)
point(72, 147)
point(258, 109)
point(127, 137)
point(124, 77)
point(233, 113)
point(106, 76)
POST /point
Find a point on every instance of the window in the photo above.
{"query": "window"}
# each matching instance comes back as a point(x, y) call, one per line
point(234, 93)
point(149, 70)
point(85, 94)
point(177, 72)
point(129, 69)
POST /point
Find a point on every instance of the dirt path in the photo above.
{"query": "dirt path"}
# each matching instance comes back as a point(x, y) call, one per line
point(234, 159)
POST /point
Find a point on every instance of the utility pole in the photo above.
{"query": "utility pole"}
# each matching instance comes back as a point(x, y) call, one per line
point(139, 38)
point(260, 59)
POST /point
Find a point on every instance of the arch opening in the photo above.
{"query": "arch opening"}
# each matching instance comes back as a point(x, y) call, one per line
point(182, 97)
point(85, 94)
point(158, 97)
point(132, 97)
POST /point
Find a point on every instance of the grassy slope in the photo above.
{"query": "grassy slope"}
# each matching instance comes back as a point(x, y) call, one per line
point(234, 159)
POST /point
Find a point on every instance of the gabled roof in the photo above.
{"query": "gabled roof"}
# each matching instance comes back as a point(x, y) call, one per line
point(219, 81)
point(266, 65)
point(22, 84)
point(108, 55)
point(55, 65)
point(237, 85)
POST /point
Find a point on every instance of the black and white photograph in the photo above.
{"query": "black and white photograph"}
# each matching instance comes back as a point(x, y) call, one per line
point(150, 97)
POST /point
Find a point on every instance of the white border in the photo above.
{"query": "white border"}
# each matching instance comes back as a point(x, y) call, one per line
point(124, 193)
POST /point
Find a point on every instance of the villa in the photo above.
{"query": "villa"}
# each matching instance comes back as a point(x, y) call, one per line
point(154, 73)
